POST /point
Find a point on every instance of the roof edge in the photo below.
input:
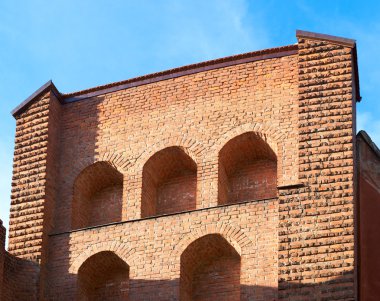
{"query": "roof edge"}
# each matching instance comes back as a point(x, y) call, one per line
point(325, 37)
point(25, 104)
point(363, 134)
point(184, 70)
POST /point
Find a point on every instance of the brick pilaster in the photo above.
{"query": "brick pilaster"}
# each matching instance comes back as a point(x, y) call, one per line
point(316, 246)
point(34, 167)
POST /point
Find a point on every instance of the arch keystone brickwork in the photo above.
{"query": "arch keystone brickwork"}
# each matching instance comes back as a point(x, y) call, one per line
point(120, 249)
point(190, 146)
point(116, 160)
point(287, 169)
point(233, 235)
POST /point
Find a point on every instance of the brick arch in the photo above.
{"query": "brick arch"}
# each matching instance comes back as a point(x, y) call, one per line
point(190, 146)
point(232, 234)
point(273, 136)
point(116, 160)
point(120, 249)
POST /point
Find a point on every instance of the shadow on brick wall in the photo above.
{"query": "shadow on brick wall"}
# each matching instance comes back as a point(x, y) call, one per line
point(20, 279)
point(66, 286)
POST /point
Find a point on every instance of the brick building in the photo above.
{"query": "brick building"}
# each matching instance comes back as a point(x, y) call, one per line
point(234, 179)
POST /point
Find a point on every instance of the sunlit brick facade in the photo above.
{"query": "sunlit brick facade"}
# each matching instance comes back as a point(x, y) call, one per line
point(232, 179)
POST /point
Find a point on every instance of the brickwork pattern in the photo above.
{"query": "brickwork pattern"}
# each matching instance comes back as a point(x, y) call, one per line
point(152, 248)
point(210, 269)
point(317, 222)
point(169, 183)
point(103, 277)
point(21, 279)
point(97, 196)
point(369, 201)
point(247, 170)
point(29, 179)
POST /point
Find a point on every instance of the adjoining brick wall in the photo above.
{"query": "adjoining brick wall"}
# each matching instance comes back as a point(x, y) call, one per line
point(369, 200)
point(316, 246)
point(21, 279)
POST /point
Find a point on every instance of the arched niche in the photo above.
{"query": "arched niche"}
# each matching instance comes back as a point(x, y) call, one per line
point(247, 170)
point(97, 196)
point(210, 270)
point(169, 183)
point(103, 277)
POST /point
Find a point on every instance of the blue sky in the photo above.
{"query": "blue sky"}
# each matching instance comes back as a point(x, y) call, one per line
point(80, 44)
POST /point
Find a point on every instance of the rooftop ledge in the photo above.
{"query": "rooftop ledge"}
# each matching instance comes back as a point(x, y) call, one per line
point(189, 69)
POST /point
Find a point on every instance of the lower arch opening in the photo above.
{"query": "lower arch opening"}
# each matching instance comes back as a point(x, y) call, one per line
point(103, 277)
point(210, 270)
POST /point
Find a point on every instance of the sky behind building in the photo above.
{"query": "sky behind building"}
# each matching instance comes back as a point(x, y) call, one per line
point(81, 44)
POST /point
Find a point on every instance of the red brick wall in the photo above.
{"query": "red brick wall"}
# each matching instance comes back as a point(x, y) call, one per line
point(20, 280)
point(34, 177)
point(121, 125)
point(35, 168)
point(29, 179)
point(152, 248)
point(369, 199)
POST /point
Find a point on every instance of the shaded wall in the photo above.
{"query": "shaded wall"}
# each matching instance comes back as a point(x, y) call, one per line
point(18, 277)
point(369, 201)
